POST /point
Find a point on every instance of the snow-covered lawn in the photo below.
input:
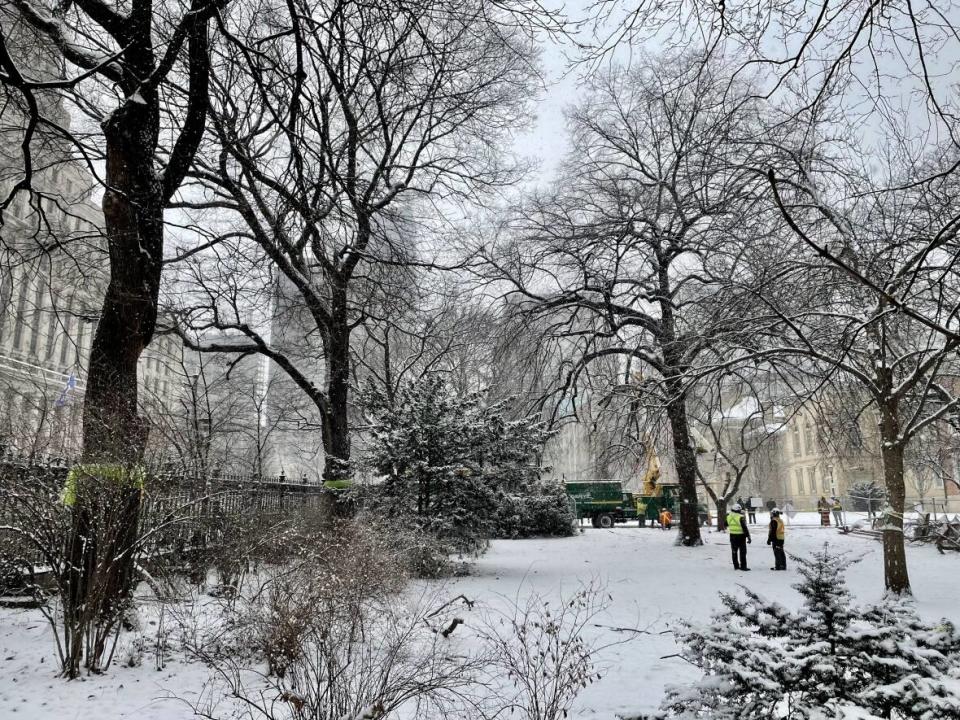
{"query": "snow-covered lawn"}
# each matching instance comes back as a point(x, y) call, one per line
point(652, 584)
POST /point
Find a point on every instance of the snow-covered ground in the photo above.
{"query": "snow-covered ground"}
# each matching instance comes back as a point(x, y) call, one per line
point(652, 584)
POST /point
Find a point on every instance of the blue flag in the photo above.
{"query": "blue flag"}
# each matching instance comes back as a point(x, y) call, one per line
point(71, 384)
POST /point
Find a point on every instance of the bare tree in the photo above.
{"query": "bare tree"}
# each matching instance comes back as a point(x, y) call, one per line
point(881, 314)
point(332, 140)
point(649, 214)
point(872, 52)
point(113, 73)
point(219, 422)
point(435, 326)
point(738, 414)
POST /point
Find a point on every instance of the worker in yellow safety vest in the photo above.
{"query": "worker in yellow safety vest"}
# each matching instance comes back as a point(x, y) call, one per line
point(837, 512)
point(739, 537)
point(775, 538)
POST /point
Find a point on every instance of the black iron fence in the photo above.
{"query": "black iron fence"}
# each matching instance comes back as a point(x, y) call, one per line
point(179, 512)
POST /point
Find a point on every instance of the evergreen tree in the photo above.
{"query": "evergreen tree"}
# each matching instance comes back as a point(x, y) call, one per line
point(447, 458)
point(867, 495)
point(828, 660)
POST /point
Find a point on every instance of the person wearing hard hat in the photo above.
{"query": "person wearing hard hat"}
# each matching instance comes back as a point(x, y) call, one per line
point(666, 519)
point(739, 537)
point(775, 537)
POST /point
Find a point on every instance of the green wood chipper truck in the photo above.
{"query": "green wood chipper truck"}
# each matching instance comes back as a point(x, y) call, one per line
point(606, 503)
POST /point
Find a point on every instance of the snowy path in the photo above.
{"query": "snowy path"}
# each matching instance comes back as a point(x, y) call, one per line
point(652, 583)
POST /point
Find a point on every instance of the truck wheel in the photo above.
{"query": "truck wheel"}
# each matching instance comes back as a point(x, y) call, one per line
point(606, 521)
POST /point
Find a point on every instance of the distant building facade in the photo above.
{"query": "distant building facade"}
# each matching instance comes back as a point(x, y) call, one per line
point(804, 456)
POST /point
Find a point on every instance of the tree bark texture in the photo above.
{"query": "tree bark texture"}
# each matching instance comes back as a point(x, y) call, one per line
point(721, 514)
point(336, 438)
point(114, 434)
point(895, 576)
point(103, 542)
point(686, 462)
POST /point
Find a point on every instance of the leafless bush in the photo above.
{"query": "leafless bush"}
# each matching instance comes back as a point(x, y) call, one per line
point(51, 529)
point(336, 632)
point(541, 647)
point(331, 634)
point(69, 548)
point(423, 555)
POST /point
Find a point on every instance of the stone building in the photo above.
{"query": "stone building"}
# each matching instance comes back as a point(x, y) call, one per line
point(818, 460)
point(51, 283)
point(805, 451)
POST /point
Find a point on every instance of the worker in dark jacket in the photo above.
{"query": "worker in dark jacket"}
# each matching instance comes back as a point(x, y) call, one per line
point(775, 537)
point(823, 507)
point(739, 537)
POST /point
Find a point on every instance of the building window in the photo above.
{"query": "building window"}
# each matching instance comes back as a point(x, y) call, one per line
point(81, 341)
point(956, 474)
point(812, 479)
point(796, 440)
point(67, 331)
point(21, 313)
point(37, 315)
point(828, 479)
point(6, 294)
point(808, 438)
point(29, 412)
point(800, 488)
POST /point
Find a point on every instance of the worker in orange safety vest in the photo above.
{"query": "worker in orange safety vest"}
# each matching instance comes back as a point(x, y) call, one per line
point(666, 519)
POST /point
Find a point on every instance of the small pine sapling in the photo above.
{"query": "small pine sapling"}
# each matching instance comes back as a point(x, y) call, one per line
point(830, 659)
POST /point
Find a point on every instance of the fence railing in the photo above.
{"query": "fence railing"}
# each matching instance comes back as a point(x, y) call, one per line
point(178, 514)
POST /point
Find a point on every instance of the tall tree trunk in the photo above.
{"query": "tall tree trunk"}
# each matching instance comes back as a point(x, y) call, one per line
point(686, 462)
point(895, 575)
point(337, 442)
point(107, 508)
point(674, 356)
point(721, 513)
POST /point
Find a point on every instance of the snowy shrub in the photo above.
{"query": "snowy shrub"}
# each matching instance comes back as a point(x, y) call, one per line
point(421, 554)
point(264, 619)
point(541, 510)
point(380, 660)
point(446, 458)
point(829, 660)
point(866, 495)
point(540, 647)
point(240, 544)
point(77, 527)
point(339, 635)
point(333, 636)
point(329, 583)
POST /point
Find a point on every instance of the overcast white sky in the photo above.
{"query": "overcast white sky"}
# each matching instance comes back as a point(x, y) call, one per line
point(547, 141)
